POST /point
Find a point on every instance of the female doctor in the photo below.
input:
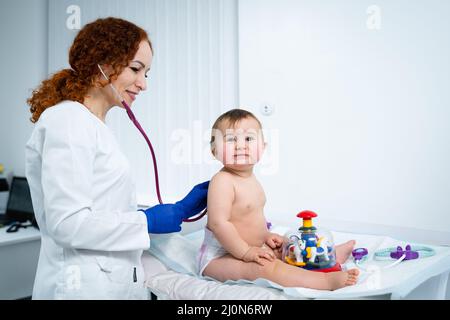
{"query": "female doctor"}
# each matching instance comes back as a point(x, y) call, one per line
point(92, 236)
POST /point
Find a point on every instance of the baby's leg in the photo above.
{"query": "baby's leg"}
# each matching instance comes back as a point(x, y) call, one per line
point(344, 250)
point(229, 268)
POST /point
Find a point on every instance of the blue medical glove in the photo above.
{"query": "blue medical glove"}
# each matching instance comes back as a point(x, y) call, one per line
point(164, 218)
point(195, 201)
point(167, 218)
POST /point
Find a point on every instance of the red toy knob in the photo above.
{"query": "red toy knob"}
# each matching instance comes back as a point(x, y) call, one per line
point(306, 214)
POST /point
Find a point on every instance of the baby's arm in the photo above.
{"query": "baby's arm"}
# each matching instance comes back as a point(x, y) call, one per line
point(220, 200)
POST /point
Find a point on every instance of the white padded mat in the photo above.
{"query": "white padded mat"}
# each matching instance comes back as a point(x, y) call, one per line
point(178, 253)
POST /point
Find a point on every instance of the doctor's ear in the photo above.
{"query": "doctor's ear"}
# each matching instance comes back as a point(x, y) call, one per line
point(107, 70)
point(104, 76)
point(99, 81)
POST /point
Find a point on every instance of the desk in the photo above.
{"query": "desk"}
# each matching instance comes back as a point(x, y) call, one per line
point(19, 254)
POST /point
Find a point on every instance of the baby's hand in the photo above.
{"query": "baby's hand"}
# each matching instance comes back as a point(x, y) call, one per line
point(258, 255)
point(275, 241)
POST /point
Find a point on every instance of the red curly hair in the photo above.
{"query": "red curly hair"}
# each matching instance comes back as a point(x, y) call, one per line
point(110, 41)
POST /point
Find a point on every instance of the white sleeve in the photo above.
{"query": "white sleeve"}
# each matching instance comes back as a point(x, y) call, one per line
point(68, 155)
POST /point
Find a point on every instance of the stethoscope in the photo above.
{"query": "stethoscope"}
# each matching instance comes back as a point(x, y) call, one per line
point(360, 255)
point(141, 130)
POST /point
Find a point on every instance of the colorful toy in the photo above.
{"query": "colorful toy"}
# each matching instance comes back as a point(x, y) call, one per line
point(309, 248)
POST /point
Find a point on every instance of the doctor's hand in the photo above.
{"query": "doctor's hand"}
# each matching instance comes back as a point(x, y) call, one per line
point(164, 218)
point(167, 218)
point(195, 201)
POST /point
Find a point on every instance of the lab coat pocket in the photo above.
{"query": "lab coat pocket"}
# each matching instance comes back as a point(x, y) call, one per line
point(116, 273)
point(119, 278)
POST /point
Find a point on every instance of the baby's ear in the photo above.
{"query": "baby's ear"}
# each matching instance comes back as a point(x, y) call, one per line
point(264, 146)
point(213, 149)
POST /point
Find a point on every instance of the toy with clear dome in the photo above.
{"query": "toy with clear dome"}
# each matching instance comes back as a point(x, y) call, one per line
point(310, 248)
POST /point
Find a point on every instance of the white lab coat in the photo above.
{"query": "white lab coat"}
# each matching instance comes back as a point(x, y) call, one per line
point(92, 237)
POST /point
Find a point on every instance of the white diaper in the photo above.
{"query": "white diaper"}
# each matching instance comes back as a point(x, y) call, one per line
point(209, 250)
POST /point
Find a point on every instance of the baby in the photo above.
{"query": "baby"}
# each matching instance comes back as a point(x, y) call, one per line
point(237, 243)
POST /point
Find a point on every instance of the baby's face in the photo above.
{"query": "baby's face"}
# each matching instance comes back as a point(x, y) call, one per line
point(240, 146)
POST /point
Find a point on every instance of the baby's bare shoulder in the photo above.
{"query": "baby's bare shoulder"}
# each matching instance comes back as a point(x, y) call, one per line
point(221, 188)
point(221, 181)
point(222, 177)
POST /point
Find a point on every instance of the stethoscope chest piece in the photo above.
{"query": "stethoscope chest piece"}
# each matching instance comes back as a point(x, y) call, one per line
point(360, 254)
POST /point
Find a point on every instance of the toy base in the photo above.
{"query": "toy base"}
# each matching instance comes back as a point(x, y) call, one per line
point(336, 267)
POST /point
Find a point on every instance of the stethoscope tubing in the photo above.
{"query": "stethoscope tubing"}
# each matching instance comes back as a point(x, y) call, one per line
point(141, 130)
point(155, 166)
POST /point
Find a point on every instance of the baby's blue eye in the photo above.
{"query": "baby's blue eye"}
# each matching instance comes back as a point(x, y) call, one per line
point(249, 138)
point(229, 139)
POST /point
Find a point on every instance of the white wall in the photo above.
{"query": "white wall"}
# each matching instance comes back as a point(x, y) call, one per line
point(23, 61)
point(362, 114)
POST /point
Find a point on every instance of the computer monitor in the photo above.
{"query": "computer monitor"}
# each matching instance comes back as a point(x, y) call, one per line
point(20, 206)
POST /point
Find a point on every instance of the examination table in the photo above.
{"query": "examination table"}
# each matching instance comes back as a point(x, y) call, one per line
point(170, 267)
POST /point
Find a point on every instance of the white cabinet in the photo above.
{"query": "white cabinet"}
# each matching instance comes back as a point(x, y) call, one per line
point(19, 254)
